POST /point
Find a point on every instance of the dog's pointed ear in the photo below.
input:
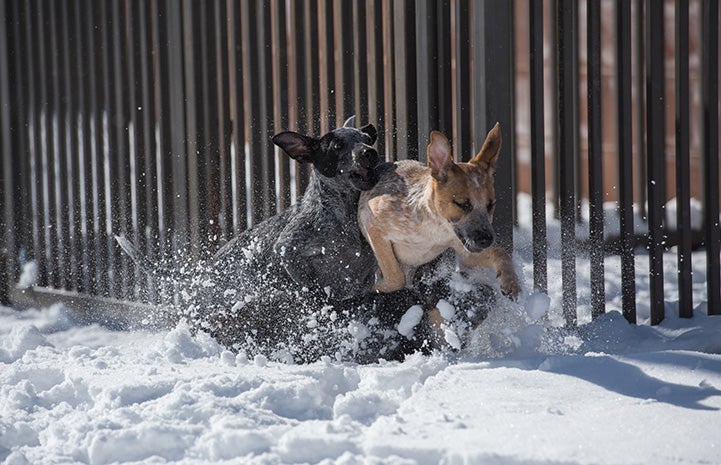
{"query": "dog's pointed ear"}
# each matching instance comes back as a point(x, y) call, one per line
point(491, 147)
point(350, 122)
point(440, 159)
point(298, 147)
point(371, 131)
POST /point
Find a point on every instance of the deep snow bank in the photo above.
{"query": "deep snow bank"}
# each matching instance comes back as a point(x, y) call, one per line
point(609, 393)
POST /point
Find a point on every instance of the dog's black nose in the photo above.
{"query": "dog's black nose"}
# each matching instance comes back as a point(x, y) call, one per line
point(482, 239)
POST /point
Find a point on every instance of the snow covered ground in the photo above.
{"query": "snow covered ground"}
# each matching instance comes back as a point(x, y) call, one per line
point(524, 391)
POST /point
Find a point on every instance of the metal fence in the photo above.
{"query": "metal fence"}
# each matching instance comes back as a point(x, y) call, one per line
point(153, 120)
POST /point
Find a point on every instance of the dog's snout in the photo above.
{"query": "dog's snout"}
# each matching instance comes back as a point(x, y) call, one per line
point(366, 156)
point(475, 239)
point(483, 239)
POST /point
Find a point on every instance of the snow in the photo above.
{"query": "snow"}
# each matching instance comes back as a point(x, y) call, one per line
point(409, 320)
point(523, 390)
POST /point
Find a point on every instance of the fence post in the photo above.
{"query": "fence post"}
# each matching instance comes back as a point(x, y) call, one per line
point(655, 159)
point(567, 116)
point(538, 148)
point(492, 97)
point(6, 197)
point(710, 122)
point(404, 59)
point(625, 160)
point(595, 159)
point(683, 182)
point(178, 216)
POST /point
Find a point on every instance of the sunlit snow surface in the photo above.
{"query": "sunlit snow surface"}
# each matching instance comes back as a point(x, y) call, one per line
point(523, 391)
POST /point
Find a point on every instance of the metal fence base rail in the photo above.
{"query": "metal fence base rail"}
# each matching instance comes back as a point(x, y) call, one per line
point(153, 120)
point(88, 309)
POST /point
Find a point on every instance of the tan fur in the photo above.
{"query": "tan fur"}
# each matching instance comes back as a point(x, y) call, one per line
point(410, 215)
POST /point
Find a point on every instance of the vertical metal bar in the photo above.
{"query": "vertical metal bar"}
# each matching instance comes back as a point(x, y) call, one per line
point(101, 208)
point(279, 78)
point(120, 164)
point(8, 251)
point(683, 171)
point(33, 141)
point(576, 110)
point(640, 104)
point(192, 100)
point(253, 153)
point(565, 18)
point(388, 73)
point(22, 209)
point(460, 78)
point(595, 159)
point(343, 68)
point(7, 220)
point(325, 61)
point(148, 201)
point(59, 174)
point(223, 117)
point(359, 53)
point(376, 75)
point(71, 185)
point(264, 112)
point(309, 123)
point(167, 81)
point(109, 150)
point(655, 160)
point(555, 151)
point(175, 110)
point(295, 82)
point(207, 153)
point(405, 87)
point(313, 120)
point(237, 115)
point(491, 94)
point(211, 128)
point(209, 142)
point(296, 62)
point(710, 124)
point(443, 50)
point(136, 174)
point(88, 133)
point(538, 147)
point(426, 73)
point(46, 136)
point(625, 158)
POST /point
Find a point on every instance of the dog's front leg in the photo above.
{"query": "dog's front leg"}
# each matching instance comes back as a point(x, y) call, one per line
point(497, 259)
point(393, 278)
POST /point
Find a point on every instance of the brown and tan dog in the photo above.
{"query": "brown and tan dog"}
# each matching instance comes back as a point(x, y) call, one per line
point(415, 213)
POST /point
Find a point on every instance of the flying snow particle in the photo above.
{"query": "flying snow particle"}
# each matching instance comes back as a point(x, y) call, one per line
point(409, 320)
point(451, 337)
point(447, 310)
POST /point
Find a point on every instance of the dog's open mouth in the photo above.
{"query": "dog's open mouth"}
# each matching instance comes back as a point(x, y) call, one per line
point(363, 178)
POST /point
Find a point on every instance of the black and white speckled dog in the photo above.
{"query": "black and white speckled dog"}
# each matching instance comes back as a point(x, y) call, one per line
point(298, 284)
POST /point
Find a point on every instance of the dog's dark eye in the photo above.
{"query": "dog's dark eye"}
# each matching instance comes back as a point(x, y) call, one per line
point(491, 205)
point(464, 205)
point(338, 145)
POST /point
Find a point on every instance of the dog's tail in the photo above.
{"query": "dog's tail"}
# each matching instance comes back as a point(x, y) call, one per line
point(154, 269)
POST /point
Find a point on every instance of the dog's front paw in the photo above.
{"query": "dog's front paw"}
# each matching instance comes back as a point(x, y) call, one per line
point(509, 284)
